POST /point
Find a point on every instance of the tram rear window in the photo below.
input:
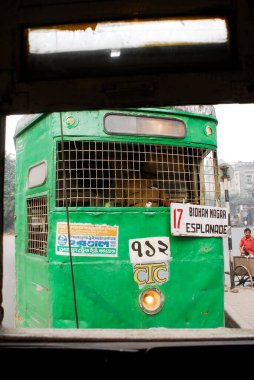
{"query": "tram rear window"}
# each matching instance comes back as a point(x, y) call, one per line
point(139, 125)
point(121, 174)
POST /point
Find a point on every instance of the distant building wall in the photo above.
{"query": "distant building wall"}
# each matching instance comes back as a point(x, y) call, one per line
point(243, 181)
point(242, 185)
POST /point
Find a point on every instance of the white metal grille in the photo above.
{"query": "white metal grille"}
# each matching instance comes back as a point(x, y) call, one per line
point(131, 174)
point(37, 215)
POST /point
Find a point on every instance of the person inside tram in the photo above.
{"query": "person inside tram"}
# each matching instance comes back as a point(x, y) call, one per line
point(247, 243)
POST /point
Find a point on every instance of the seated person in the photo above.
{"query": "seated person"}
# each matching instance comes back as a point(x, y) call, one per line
point(247, 243)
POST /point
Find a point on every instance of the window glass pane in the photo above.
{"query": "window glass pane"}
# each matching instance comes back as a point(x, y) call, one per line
point(114, 36)
point(138, 125)
point(37, 174)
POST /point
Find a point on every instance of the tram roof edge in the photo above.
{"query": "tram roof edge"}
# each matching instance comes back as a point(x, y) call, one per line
point(208, 110)
point(204, 110)
point(25, 121)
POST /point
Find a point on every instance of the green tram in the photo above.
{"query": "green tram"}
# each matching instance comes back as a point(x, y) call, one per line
point(102, 198)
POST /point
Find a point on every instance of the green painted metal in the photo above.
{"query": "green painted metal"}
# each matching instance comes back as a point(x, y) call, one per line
point(107, 296)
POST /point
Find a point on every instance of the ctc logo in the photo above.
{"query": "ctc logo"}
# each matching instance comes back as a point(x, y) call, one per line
point(150, 273)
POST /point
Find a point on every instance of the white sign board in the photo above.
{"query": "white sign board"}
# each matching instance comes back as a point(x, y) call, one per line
point(193, 220)
point(151, 249)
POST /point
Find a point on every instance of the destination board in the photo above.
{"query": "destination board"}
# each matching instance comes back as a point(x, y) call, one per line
point(193, 220)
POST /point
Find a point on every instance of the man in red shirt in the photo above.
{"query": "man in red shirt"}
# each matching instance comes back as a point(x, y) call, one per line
point(247, 243)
